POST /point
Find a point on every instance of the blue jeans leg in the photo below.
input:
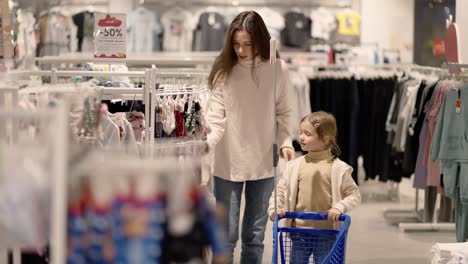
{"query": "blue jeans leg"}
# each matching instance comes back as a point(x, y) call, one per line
point(257, 195)
point(228, 194)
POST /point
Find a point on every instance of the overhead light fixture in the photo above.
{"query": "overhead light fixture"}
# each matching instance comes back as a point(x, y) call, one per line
point(235, 3)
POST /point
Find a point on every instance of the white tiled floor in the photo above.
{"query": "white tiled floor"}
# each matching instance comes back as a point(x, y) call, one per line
point(372, 239)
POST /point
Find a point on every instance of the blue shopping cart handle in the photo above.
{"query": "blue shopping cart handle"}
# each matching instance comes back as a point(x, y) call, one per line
point(310, 216)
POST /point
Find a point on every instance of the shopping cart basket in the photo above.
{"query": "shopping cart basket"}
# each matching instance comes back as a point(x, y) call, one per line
point(307, 245)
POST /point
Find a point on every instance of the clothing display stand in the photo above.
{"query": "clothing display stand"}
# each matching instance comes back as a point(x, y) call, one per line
point(107, 92)
point(8, 92)
point(417, 214)
point(194, 80)
point(58, 115)
point(454, 68)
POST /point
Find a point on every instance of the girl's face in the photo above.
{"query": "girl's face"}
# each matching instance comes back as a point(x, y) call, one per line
point(309, 139)
point(242, 44)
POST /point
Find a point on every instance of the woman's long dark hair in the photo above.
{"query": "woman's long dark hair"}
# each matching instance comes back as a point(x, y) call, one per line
point(252, 23)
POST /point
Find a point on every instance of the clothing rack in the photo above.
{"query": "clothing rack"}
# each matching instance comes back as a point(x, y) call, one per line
point(60, 151)
point(13, 92)
point(415, 212)
point(198, 76)
point(424, 225)
point(58, 115)
point(106, 92)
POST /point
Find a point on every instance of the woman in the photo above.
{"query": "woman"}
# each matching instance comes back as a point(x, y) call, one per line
point(242, 125)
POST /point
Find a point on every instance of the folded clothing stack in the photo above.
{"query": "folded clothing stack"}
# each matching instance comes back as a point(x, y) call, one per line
point(450, 253)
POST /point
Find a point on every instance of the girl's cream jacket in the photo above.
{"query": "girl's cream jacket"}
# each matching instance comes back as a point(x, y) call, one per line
point(345, 192)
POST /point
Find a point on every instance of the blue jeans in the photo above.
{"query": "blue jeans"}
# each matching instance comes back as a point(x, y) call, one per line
point(257, 195)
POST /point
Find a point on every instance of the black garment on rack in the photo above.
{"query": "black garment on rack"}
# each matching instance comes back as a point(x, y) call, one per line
point(340, 98)
point(297, 31)
point(392, 159)
point(85, 26)
point(375, 99)
point(212, 29)
point(360, 108)
point(125, 107)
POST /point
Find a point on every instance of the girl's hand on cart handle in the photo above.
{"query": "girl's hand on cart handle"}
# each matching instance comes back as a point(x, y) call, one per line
point(334, 214)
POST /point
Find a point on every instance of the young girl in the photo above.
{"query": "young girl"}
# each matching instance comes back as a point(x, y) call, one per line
point(318, 181)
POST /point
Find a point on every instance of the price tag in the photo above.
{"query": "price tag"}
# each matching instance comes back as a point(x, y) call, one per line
point(110, 35)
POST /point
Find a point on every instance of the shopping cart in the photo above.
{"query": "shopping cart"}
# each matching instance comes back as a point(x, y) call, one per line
point(307, 245)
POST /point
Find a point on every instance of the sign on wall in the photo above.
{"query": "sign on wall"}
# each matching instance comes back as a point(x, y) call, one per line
point(110, 35)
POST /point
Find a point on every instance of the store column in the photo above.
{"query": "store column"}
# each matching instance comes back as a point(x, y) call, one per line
point(462, 23)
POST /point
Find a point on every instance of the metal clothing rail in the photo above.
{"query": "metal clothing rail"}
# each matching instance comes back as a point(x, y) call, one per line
point(160, 59)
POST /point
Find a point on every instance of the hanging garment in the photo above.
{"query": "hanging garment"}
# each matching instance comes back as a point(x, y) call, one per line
point(382, 92)
point(297, 31)
point(415, 128)
point(179, 117)
point(274, 22)
point(323, 23)
point(178, 29)
point(212, 28)
point(433, 165)
point(85, 31)
point(341, 98)
point(349, 23)
point(137, 120)
point(299, 100)
point(26, 40)
point(55, 34)
point(158, 127)
point(420, 178)
point(144, 29)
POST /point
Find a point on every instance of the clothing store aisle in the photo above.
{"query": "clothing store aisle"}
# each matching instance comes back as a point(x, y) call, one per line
point(371, 238)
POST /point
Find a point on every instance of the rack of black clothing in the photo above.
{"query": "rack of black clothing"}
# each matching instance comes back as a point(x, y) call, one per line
point(359, 103)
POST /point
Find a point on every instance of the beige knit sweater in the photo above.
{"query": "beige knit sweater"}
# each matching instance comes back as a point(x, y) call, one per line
point(241, 119)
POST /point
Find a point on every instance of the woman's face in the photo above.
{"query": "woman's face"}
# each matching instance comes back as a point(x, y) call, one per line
point(242, 44)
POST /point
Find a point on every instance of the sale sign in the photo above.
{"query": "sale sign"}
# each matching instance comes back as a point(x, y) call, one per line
point(110, 35)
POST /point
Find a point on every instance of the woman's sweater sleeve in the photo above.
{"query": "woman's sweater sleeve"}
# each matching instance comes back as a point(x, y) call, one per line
point(216, 117)
point(283, 111)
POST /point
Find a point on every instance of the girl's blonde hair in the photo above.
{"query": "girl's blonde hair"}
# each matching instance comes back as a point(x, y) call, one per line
point(325, 125)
